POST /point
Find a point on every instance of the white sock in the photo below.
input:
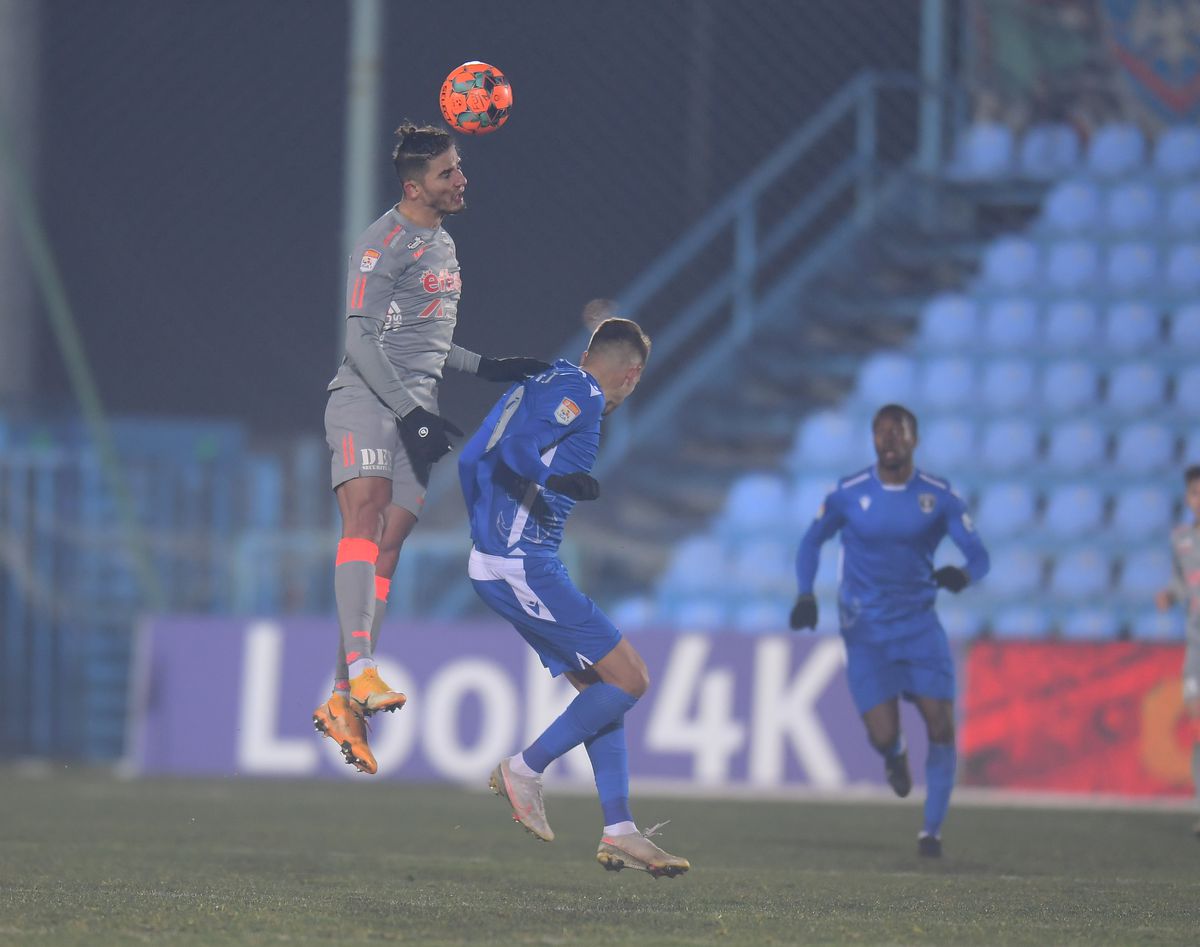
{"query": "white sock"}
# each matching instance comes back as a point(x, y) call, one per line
point(518, 765)
point(621, 828)
point(356, 668)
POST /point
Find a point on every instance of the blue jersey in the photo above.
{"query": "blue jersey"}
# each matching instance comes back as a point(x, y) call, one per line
point(547, 424)
point(889, 535)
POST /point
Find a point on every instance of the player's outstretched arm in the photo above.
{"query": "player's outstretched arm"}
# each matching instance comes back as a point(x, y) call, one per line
point(509, 369)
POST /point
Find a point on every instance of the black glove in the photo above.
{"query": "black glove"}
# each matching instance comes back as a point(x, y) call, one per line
point(804, 613)
point(424, 434)
point(577, 485)
point(509, 369)
point(952, 578)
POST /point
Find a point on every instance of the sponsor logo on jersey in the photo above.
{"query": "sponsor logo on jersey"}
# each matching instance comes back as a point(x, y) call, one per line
point(375, 458)
point(566, 412)
point(391, 319)
point(368, 261)
point(442, 281)
point(926, 501)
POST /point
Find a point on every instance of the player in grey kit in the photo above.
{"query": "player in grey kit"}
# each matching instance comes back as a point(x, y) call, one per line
point(382, 421)
point(1185, 590)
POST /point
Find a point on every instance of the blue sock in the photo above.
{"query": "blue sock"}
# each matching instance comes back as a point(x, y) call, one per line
point(939, 781)
point(592, 710)
point(610, 763)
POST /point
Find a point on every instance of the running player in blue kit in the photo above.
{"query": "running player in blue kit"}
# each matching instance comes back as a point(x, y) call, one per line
point(892, 517)
point(382, 421)
point(522, 473)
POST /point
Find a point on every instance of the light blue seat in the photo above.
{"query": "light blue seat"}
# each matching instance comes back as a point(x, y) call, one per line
point(1132, 209)
point(1008, 385)
point(1073, 510)
point(1016, 572)
point(1131, 327)
point(1011, 324)
point(949, 322)
point(1191, 447)
point(763, 566)
point(1185, 328)
point(1010, 263)
point(947, 443)
point(1048, 151)
point(1090, 624)
point(755, 502)
point(1008, 445)
point(1142, 513)
point(960, 621)
point(984, 152)
point(1071, 326)
point(1081, 574)
point(1183, 269)
point(1187, 390)
point(1149, 624)
point(886, 378)
point(1131, 267)
point(1145, 571)
point(947, 383)
point(1072, 266)
point(635, 613)
point(1116, 150)
point(1137, 388)
point(1076, 447)
point(1069, 386)
point(1177, 152)
point(807, 495)
point(1183, 211)
point(825, 441)
point(1072, 207)
point(1006, 509)
point(697, 564)
point(761, 615)
point(1022, 622)
point(1144, 447)
point(703, 614)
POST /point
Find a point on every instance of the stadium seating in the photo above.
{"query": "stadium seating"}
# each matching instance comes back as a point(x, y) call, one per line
point(983, 152)
point(1177, 152)
point(1132, 326)
point(1183, 269)
point(1137, 388)
point(1006, 509)
point(1008, 385)
point(947, 443)
point(1183, 211)
point(949, 323)
point(1049, 151)
point(1010, 263)
point(1081, 574)
point(1142, 513)
point(1028, 620)
point(1076, 447)
point(1011, 324)
point(1072, 266)
point(1185, 329)
point(1146, 571)
point(1071, 326)
point(1008, 445)
point(1132, 209)
point(1072, 511)
point(1130, 267)
point(1072, 207)
point(1069, 386)
point(1116, 150)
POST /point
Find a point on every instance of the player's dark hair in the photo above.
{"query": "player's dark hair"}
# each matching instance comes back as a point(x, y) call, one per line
point(1192, 473)
point(898, 412)
point(416, 148)
point(621, 332)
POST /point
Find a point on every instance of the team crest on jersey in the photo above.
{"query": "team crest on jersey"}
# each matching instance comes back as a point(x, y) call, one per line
point(566, 412)
point(865, 502)
point(926, 501)
point(368, 261)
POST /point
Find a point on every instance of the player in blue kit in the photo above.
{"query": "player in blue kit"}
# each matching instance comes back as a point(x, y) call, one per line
point(892, 517)
point(522, 473)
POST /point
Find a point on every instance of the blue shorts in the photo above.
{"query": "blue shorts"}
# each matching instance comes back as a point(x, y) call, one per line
point(918, 665)
point(565, 627)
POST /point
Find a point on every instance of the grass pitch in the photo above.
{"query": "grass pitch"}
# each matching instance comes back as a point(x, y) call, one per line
point(86, 859)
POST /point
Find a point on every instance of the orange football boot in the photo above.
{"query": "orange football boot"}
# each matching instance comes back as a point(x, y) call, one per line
point(341, 720)
point(372, 695)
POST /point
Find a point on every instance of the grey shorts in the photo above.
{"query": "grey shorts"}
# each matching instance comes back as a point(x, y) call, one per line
point(365, 442)
point(1191, 671)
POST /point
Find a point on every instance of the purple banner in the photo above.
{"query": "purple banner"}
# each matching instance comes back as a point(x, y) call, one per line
point(235, 697)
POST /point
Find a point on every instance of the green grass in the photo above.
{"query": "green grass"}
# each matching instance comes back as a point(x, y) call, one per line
point(85, 859)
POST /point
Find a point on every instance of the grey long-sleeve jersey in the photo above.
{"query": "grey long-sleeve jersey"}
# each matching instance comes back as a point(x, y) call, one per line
point(402, 305)
point(1185, 579)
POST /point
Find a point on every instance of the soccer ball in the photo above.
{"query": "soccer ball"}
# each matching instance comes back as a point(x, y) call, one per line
point(476, 98)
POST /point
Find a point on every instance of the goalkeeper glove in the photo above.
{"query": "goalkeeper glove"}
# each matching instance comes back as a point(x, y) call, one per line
point(577, 485)
point(509, 369)
point(804, 613)
point(952, 578)
point(425, 435)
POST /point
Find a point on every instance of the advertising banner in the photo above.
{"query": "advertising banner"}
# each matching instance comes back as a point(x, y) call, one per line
point(1075, 717)
point(235, 697)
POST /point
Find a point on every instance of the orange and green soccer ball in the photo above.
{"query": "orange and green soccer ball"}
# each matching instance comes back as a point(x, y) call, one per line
point(476, 98)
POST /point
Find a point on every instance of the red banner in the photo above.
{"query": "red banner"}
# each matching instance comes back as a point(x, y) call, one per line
point(1075, 717)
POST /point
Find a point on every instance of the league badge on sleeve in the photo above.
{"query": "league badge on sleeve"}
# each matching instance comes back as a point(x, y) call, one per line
point(368, 261)
point(566, 412)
